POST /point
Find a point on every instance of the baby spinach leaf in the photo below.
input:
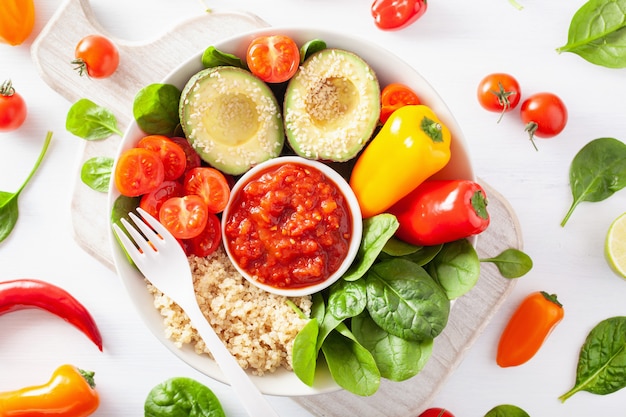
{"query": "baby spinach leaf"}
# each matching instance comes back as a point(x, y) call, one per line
point(512, 263)
point(397, 359)
point(597, 33)
point(182, 397)
point(456, 268)
point(597, 172)
point(506, 410)
point(305, 351)
point(155, 109)
point(602, 360)
point(89, 121)
point(347, 299)
point(9, 212)
point(311, 47)
point(405, 301)
point(377, 231)
point(396, 247)
point(213, 57)
point(96, 173)
point(351, 365)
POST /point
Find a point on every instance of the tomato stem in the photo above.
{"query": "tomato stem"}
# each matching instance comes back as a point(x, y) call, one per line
point(531, 128)
point(6, 89)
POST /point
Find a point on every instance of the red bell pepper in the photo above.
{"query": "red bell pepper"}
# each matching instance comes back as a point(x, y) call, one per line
point(397, 14)
point(440, 211)
point(29, 293)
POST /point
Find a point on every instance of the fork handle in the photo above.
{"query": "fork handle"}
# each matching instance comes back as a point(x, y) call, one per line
point(251, 398)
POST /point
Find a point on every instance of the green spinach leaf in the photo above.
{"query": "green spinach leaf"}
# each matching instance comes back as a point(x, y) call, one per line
point(512, 263)
point(602, 360)
point(597, 172)
point(155, 109)
point(405, 301)
point(213, 57)
point(96, 173)
point(89, 121)
point(182, 397)
point(506, 410)
point(377, 231)
point(456, 268)
point(9, 211)
point(396, 247)
point(347, 299)
point(305, 351)
point(597, 33)
point(397, 359)
point(311, 47)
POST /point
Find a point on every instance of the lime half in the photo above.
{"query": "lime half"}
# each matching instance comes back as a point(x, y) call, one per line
point(615, 245)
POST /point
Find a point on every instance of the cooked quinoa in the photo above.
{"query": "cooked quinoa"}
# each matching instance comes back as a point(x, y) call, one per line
point(258, 327)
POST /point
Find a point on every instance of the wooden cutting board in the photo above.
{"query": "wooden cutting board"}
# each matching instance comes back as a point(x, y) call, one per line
point(146, 63)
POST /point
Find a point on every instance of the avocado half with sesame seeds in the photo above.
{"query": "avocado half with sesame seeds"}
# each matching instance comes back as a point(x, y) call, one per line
point(231, 118)
point(332, 106)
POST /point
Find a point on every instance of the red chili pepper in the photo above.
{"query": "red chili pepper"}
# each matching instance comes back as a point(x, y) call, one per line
point(29, 293)
point(440, 211)
point(397, 14)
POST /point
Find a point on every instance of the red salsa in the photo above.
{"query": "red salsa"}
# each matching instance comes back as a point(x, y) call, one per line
point(289, 227)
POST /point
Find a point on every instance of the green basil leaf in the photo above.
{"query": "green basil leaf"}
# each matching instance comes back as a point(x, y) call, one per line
point(597, 172)
point(506, 410)
point(304, 352)
point(405, 301)
point(311, 47)
point(213, 57)
point(96, 173)
point(456, 268)
point(377, 231)
point(397, 359)
point(182, 397)
point(512, 263)
point(597, 33)
point(89, 121)
point(155, 109)
point(602, 361)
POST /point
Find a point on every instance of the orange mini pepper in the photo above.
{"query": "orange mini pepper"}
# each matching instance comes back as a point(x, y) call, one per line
point(529, 326)
point(17, 19)
point(70, 392)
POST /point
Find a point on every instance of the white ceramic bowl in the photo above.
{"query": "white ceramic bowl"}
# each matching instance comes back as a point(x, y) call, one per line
point(389, 68)
point(356, 222)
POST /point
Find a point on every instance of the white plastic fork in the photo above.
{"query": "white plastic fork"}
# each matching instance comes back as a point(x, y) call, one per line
point(161, 259)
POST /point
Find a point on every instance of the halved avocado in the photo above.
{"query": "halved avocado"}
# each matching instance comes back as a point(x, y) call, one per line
point(231, 118)
point(332, 106)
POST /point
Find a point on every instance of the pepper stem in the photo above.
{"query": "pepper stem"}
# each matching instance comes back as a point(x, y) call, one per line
point(552, 298)
point(89, 377)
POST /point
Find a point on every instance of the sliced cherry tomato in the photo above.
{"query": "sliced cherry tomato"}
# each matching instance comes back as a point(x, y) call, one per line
point(185, 217)
point(138, 171)
point(153, 201)
point(397, 14)
point(193, 159)
point(436, 412)
point(173, 156)
point(211, 185)
point(207, 241)
point(13, 108)
point(499, 92)
point(273, 58)
point(97, 56)
point(544, 114)
point(394, 96)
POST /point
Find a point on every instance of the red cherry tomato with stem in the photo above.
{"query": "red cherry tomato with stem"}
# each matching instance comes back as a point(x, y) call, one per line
point(394, 96)
point(397, 14)
point(185, 217)
point(544, 114)
point(138, 171)
point(13, 108)
point(499, 92)
point(436, 412)
point(273, 58)
point(97, 56)
point(211, 185)
point(173, 156)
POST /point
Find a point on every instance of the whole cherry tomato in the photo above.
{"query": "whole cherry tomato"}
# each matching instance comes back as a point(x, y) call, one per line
point(499, 92)
point(544, 114)
point(394, 96)
point(138, 171)
point(436, 412)
point(97, 56)
point(12, 108)
point(397, 14)
point(273, 58)
point(185, 217)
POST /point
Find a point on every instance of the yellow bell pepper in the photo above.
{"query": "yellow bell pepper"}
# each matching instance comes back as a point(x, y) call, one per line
point(17, 19)
point(411, 146)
